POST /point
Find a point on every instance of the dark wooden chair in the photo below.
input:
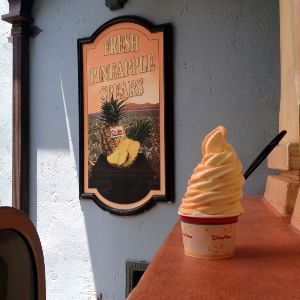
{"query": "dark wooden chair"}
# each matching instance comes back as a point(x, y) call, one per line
point(22, 269)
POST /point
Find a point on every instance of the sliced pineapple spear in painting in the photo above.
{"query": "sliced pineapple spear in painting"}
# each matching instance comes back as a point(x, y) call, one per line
point(118, 157)
point(112, 111)
point(133, 151)
point(139, 131)
point(127, 148)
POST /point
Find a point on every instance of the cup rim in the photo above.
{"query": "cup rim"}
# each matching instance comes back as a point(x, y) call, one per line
point(208, 216)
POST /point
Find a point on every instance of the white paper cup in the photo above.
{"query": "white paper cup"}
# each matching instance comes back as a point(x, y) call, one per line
point(210, 237)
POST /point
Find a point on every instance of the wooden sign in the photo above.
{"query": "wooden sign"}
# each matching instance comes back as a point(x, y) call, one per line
point(125, 106)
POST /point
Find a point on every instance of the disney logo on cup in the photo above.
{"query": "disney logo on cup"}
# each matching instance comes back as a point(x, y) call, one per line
point(117, 131)
point(221, 237)
point(186, 235)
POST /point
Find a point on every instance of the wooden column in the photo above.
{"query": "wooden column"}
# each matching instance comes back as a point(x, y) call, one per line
point(282, 189)
point(19, 17)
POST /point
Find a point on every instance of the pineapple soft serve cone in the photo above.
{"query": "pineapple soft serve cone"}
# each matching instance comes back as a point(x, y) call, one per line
point(216, 185)
point(211, 206)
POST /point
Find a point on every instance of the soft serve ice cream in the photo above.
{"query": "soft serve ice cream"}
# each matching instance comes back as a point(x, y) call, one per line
point(216, 185)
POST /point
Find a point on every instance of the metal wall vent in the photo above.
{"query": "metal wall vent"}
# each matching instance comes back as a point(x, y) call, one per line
point(134, 272)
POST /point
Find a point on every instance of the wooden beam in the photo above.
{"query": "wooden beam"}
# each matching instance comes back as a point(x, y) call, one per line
point(289, 115)
point(281, 191)
point(295, 221)
point(285, 157)
point(20, 17)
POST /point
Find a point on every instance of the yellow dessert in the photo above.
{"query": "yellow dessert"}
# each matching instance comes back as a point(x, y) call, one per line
point(216, 185)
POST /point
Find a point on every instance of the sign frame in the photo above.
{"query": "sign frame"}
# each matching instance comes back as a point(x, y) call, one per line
point(165, 119)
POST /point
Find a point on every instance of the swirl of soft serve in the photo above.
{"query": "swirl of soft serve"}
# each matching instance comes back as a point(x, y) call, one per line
point(216, 185)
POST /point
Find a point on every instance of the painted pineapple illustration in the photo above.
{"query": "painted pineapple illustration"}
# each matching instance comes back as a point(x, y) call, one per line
point(112, 111)
point(127, 151)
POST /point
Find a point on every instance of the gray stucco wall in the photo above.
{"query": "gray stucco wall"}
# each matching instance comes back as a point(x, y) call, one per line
point(226, 64)
point(5, 108)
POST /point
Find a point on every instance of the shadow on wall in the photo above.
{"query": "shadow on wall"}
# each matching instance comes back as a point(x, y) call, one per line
point(113, 240)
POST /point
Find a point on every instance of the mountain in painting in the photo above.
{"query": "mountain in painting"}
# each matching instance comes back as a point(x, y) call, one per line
point(144, 106)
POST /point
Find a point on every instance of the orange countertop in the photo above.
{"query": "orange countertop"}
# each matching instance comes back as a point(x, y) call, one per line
point(266, 264)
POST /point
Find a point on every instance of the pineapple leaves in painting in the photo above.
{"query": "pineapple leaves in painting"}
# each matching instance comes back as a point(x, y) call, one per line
point(112, 111)
point(139, 130)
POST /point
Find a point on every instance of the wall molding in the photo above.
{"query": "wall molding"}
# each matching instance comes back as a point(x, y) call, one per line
point(20, 17)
